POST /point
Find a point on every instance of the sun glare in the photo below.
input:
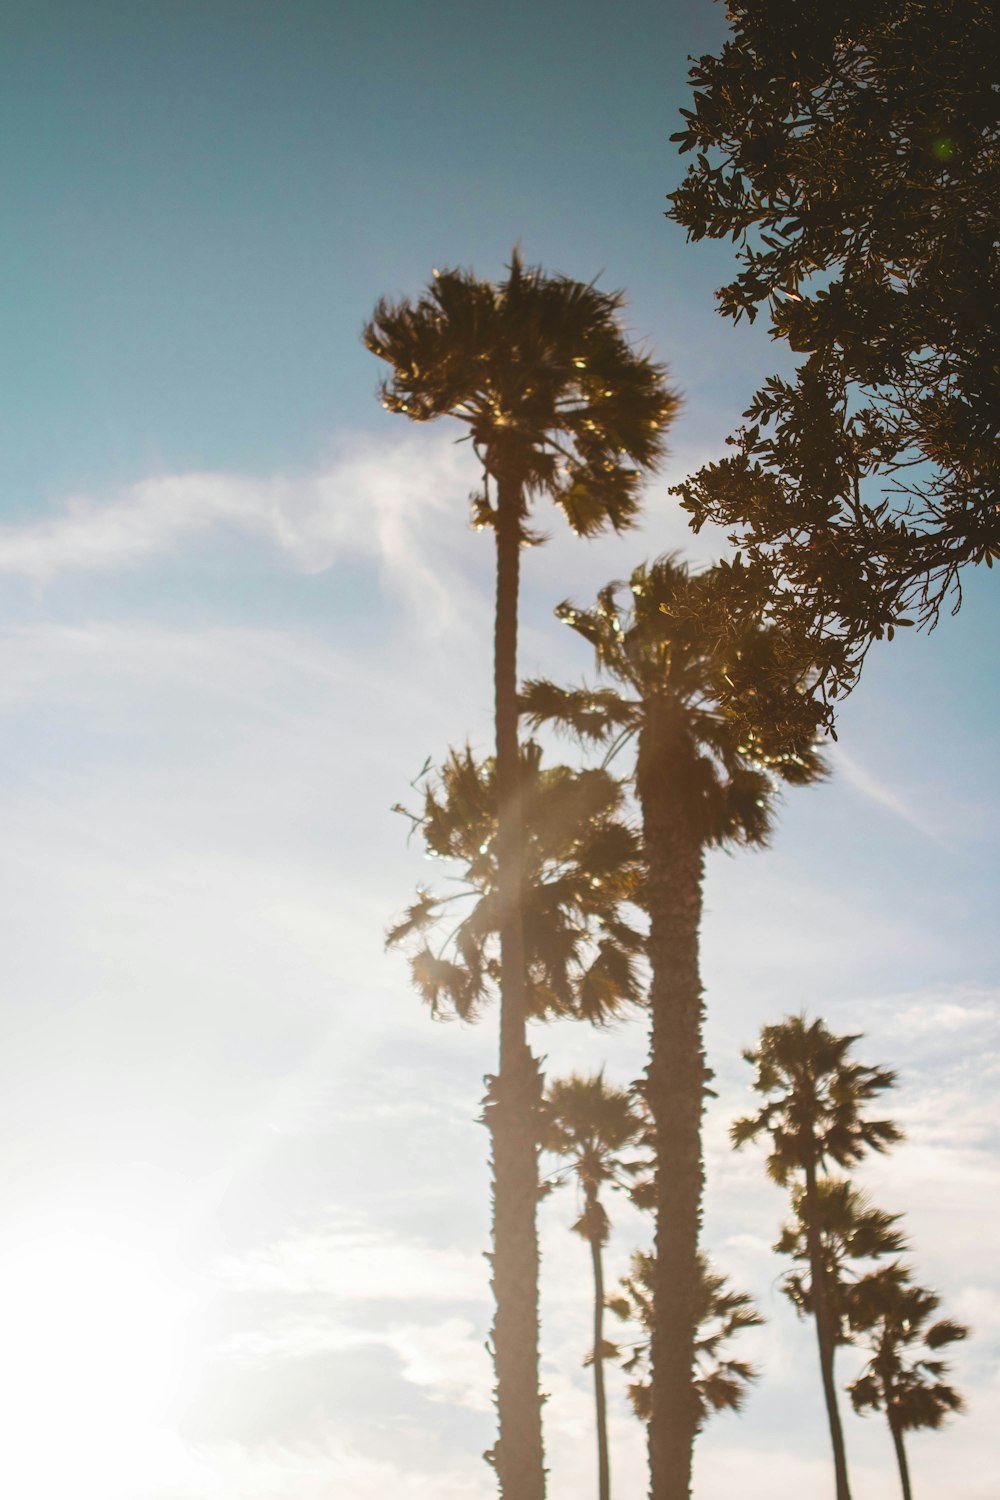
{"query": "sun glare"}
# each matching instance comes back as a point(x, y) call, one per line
point(91, 1355)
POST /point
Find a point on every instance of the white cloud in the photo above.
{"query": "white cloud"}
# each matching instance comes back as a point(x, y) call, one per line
point(352, 1261)
point(448, 1360)
point(401, 504)
point(381, 502)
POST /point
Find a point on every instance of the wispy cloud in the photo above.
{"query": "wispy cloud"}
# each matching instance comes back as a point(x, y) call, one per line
point(865, 782)
point(376, 501)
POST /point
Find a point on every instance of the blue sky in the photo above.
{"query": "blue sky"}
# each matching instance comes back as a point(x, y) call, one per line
point(241, 605)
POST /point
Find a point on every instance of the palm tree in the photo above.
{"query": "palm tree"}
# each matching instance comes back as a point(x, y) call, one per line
point(720, 1383)
point(841, 1226)
point(893, 1316)
point(556, 403)
point(704, 779)
point(589, 1124)
point(582, 864)
point(815, 1096)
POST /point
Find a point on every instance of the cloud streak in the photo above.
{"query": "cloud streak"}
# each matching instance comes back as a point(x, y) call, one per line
point(868, 785)
point(375, 501)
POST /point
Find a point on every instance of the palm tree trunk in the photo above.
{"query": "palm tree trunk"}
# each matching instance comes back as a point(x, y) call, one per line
point(825, 1333)
point(600, 1399)
point(904, 1469)
point(513, 1100)
point(675, 1093)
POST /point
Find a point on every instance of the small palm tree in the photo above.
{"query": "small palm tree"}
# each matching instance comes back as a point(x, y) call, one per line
point(721, 1383)
point(848, 1230)
point(705, 778)
point(815, 1096)
point(893, 1318)
point(556, 403)
point(589, 1124)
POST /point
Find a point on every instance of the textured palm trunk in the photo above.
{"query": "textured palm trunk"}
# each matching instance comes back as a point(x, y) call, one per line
point(513, 1100)
point(897, 1440)
point(675, 1091)
point(825, 1335)
point(600, 1400)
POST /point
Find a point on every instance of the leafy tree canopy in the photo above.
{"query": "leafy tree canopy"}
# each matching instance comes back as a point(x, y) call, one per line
point(849, 148)
point(589, 1124)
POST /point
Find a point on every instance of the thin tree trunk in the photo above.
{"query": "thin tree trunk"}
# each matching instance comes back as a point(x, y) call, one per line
point(675, 1092)
point(904, 1470)
point(513, 1100)
point(603, 1463)
point(825, 1332)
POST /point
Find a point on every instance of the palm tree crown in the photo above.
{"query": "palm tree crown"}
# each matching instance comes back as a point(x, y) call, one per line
point(895, 1317)
point(814, 1097)
point(721, 1382)
point(850, 1229)
point(651, 643)
point(589, 1123)
point(540, 371)
point(582, 867)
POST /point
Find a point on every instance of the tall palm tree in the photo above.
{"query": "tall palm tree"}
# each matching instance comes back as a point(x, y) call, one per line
point(721, 1382)
point(893, 1317)
point(813, 1112)
point(556, 402)
point(589, 1123)
point(704, 778)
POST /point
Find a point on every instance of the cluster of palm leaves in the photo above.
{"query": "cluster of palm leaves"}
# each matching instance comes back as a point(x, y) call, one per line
point(582, 865)
point(580, 887)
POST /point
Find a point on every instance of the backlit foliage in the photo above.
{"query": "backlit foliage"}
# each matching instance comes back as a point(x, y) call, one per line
point(582, 871)
point(648, 639)
point(721, 1382)
point(904, 1376)
point(851, 151)
point(815, 1095)
point(540, 371)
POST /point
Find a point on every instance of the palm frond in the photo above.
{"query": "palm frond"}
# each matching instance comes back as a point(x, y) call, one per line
point(590, 714)
point(423, 913)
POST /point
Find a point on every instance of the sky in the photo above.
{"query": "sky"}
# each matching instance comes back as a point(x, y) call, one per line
point(243, 1194)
